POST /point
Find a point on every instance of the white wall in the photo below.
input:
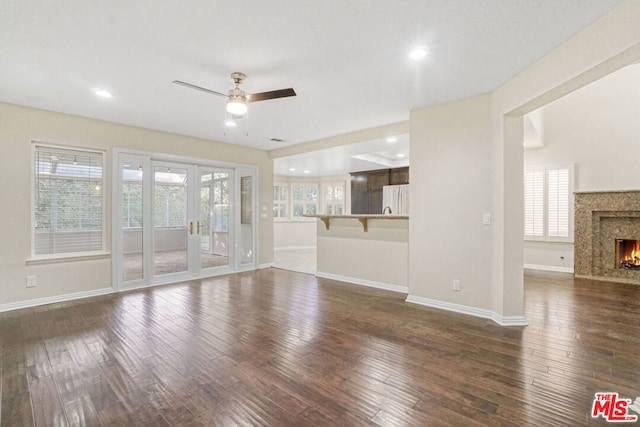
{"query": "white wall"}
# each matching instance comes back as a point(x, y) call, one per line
point(294, 234)
point(597, 128)
point(552, 256)
point(22, 125)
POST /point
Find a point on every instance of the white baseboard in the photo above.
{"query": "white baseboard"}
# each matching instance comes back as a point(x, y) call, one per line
point(266, 265)
point(363, 282)
point(295, 248)
point(472, 311)
point(50, 300)
point(549, 268)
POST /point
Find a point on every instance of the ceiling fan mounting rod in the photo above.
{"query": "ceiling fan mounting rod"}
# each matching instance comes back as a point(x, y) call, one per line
point(238, 78)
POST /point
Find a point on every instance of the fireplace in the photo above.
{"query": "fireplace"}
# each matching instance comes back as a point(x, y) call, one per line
point(628, 254)
point(607, 235)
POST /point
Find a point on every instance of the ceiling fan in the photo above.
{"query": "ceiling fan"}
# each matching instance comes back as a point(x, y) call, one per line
point(237, 99)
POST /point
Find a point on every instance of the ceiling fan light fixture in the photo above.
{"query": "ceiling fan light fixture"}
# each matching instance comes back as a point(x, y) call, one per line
point(237, 105)
point(418, 53)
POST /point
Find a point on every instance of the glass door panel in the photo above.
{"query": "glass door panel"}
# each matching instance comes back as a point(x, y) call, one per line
point(131, 220)
point(171, 225)
point(247, 219)
point(214, 218)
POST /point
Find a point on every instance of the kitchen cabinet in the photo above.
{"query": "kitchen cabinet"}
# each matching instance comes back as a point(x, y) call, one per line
point(399, 176)
point(366, 188)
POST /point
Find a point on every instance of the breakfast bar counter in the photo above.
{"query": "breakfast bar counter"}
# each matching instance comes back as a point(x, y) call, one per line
point(371, 250)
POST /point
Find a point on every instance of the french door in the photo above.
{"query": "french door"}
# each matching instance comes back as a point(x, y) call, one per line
point(179, 219)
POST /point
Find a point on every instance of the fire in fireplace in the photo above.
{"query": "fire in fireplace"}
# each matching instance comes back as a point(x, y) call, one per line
point(628, 254)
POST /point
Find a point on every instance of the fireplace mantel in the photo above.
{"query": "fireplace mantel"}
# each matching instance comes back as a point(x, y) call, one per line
point(601, 217)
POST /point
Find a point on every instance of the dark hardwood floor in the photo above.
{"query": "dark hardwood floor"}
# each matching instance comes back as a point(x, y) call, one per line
point(280, 348)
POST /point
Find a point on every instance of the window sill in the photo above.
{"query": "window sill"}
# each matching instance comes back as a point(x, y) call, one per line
point(533, 240)
point(67, 258)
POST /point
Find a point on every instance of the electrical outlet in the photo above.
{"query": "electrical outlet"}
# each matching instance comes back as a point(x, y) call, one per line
point(456, 285)
point(31, 281)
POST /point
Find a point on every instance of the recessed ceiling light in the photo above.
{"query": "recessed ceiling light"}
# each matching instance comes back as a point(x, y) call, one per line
point(400, 156)
point(307, 171)
point(418, 53)
point(392, 139)
point(102, 93)
point(292, 169)
point(230, 123)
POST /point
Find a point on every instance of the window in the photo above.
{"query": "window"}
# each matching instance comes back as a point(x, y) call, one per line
point(280, 201)
point(334, 198)
point(547, 203)
point(304, 200)
point(68, 201)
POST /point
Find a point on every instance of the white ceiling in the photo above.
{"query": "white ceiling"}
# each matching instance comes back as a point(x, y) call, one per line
point(369, 155)
point(347, 60)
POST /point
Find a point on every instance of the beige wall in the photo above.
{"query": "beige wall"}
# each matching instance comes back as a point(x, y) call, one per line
point(19, 126)
point(378, 257)
point(450, 192)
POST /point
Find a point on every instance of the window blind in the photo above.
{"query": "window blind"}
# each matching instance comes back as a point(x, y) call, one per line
point(534, 203)
point(558, 202)
point(68, 201)
point(334, 198)
point(280, 201)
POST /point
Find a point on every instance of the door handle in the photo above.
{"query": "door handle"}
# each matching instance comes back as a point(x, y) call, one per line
point(198, 228)
point(190, 227)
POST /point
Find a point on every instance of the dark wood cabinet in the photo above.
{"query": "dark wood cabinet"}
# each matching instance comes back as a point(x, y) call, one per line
point(398, 176)
point(359, 193)
point(366, 188)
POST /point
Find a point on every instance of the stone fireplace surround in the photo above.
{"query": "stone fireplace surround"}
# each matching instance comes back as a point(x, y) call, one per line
point(601, 217)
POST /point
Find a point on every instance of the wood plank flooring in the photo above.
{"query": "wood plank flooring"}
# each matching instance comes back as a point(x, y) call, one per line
point(281, 348)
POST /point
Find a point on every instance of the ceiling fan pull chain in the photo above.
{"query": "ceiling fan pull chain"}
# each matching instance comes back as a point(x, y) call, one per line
point(246, 123)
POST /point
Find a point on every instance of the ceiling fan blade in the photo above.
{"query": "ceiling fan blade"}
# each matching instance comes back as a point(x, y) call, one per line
point(203, 89)
point(263, 96)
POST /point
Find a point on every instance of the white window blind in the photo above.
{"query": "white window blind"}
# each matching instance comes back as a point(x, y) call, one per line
point(68, 201)
point(558, 202)
point(534, 203)
point(334, 198)
point(280, 201)
point(547, 203)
